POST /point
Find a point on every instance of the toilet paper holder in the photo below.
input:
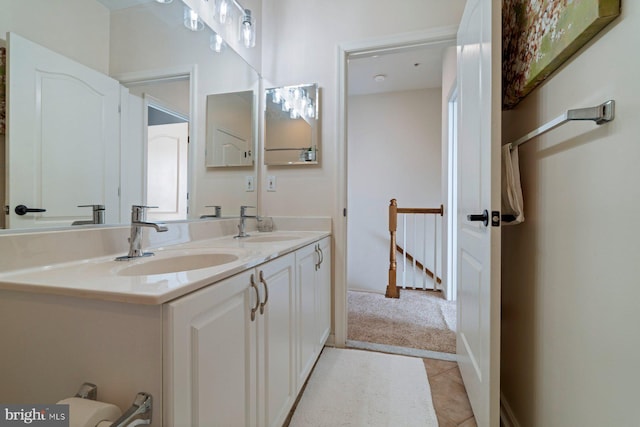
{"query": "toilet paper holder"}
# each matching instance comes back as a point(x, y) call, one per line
point(138, 414)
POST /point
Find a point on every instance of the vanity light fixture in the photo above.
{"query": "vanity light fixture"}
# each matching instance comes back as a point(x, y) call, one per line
point(295, 101)
point(191, 20)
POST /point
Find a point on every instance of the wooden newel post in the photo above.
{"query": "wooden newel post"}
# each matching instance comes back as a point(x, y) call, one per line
point(392, 289)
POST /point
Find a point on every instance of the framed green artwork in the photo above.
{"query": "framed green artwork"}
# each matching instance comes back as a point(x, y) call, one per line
point(540, 35)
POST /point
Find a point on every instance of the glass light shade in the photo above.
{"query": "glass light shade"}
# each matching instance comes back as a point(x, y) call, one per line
point(247, 30)
point(192, 20)
point(310, 111)
point(223, 11)
point(276, 97)
point(216, 43)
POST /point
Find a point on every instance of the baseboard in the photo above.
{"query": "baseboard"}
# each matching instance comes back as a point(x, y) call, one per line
point(507, 417)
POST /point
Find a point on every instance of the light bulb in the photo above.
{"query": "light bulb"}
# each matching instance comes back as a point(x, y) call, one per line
point(223, 12)
point(216, 43)
point(293, 114)
point(247, 30)
point(192, 21)
point(311, 111)
point(276, 97)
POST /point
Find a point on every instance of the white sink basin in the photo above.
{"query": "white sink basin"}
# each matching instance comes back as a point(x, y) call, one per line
point(272, 238)
point(177, 263)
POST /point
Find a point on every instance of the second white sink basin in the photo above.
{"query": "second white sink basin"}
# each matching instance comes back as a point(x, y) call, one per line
point(177, 263)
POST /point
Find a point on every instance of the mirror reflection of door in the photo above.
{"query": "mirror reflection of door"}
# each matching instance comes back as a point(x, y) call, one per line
point(158, 114)
point(167, 164)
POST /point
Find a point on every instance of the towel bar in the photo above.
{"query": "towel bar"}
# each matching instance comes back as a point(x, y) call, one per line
point(600, 114)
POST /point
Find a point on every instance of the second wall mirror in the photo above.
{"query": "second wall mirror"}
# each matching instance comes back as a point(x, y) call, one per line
point(291, 125)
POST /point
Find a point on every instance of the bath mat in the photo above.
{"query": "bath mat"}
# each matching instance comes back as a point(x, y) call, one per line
point(362, 388)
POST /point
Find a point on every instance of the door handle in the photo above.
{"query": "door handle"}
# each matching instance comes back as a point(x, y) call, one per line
point(484, 217)
point(22, 210)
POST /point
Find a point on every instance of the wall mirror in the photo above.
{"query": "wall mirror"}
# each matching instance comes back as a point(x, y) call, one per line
point(230, 141)
point(291, 125)
point(144, 48)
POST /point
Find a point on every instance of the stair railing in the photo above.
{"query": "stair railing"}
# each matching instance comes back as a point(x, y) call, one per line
point(416, 267)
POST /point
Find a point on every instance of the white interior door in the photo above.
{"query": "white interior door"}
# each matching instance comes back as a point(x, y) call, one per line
point(478, 257)
point(63, 137)
point(167, 164)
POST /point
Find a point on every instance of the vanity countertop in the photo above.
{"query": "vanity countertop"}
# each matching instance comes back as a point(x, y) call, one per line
point(104, 278)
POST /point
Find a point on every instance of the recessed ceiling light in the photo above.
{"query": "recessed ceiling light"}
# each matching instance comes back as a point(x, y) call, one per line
point(380, 77)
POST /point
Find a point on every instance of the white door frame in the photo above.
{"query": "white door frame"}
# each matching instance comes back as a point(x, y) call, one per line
point(345, 50)
point(452, 194)
point(179, 72)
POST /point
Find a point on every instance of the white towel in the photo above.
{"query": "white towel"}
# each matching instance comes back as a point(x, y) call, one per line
point(512, 203)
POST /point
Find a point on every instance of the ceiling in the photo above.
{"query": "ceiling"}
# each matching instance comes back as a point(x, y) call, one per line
point(412, 68)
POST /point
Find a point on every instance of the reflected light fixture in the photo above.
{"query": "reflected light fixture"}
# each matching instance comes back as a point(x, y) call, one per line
point(216, 43)
point(295, 101)
point(191, 20)
point(164, 1)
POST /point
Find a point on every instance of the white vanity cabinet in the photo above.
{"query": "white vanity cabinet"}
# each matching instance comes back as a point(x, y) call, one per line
point(229, 352)
point(313, 277)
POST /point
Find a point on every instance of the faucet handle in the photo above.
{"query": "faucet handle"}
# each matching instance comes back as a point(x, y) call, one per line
point(139, 212)
point(94, 207)
point(243, 208)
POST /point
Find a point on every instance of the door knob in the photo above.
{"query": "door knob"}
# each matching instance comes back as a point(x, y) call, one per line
point(484, 217)
point(22, 210)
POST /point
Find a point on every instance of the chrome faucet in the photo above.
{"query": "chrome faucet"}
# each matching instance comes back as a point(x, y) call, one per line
point(243, 215)
point(98, 215)
point(217, 213)
point(138, 221)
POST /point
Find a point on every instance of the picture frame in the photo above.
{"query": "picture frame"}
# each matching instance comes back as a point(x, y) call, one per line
point(540, 35)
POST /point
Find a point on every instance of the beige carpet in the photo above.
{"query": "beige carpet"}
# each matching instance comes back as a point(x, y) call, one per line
point(363, 388)
point(418, 319)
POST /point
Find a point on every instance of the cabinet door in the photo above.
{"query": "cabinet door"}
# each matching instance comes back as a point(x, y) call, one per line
point(210, 356)
point(323, 294)
point(307, 260)
point(276, 381)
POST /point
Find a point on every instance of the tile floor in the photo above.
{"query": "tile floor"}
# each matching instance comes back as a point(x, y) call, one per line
point(448, 393)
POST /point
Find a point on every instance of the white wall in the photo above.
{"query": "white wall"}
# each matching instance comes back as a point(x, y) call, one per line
point(77, 29)
point(394, 152)
point(570, 310)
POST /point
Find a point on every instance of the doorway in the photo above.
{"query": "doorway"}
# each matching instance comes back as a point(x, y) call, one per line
point(158, 113)
point(393, 143)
